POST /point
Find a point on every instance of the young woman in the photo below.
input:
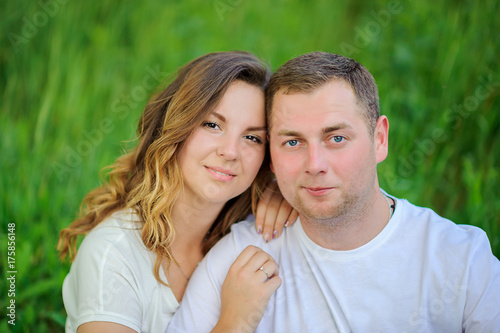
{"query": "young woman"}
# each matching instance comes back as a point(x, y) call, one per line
point(200, 165)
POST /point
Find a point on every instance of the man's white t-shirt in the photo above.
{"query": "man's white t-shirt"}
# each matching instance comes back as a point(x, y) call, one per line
point(421, 273)
point(112, 279)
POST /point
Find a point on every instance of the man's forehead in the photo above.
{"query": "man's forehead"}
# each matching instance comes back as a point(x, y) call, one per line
point(290, 112)
point(324, 90)
point(318, 101)
point(326, 107)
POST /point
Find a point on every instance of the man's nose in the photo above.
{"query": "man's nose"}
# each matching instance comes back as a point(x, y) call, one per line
point(316, 159)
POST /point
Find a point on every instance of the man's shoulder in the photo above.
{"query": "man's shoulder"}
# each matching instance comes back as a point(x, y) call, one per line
point(441, 229)
point(242, 234)
point(245, 229)
point(425, 214)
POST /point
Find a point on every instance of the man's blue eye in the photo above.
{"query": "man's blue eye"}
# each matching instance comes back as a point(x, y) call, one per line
point(338, 138)
point(292, 143)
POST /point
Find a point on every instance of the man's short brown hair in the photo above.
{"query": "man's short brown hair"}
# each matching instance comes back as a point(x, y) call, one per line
point(312, 70)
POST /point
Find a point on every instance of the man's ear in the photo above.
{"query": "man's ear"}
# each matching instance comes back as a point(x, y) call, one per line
point(271, 166)
point(381, 137)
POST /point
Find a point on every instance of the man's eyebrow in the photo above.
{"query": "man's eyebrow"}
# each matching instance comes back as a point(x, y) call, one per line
point(325, 130)
point(337, 127)
point(288, 133)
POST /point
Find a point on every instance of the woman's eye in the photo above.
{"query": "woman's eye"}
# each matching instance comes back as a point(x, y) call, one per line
point(210, 124)
point(253, 138)
point(291, 143)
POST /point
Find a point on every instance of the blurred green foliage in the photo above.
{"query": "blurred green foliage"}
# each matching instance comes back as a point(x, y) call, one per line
point(74, 78)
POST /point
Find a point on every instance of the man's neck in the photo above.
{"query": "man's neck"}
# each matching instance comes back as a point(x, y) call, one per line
point(353, 229)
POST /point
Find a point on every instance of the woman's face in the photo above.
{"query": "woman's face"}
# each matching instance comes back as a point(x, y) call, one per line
point(221, 158)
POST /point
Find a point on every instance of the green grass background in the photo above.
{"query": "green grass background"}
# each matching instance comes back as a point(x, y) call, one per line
point(74, 77)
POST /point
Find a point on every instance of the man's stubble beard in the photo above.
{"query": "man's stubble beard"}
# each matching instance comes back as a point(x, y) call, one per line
point(330, 217)
point(350, 208)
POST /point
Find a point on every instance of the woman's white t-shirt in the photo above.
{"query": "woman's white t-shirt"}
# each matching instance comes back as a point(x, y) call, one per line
point(112, 279)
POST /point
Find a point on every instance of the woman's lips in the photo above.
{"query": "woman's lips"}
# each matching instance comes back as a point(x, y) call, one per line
point(220, 174)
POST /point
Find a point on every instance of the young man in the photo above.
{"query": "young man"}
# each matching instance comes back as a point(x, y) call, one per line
point(358, 259)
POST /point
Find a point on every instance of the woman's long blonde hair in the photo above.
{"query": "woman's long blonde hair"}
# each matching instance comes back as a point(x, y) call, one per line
point(148, 178)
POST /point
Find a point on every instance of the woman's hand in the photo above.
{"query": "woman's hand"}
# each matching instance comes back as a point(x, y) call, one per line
point(273, 213)
point(249, 284)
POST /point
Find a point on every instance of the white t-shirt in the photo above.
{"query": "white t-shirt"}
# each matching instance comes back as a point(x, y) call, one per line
point(112, 279)
point(421, 273)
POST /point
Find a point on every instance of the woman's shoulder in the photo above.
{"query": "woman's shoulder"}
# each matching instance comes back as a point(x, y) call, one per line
point(122, 222)
point(118, 234)
point(111, 278)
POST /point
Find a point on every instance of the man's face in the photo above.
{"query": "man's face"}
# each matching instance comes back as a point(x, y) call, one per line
point(322, 152)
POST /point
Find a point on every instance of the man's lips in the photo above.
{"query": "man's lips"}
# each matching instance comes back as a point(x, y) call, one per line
point(318, 191)
point(221, 174)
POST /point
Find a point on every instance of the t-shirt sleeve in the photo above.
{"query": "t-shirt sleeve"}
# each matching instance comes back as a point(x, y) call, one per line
point(200, 307)
point(102, 285)
point(482, 308)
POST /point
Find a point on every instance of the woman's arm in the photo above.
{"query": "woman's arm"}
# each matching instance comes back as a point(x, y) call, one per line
point(104, 327)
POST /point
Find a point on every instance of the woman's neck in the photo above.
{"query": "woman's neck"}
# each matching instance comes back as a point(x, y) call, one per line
point(192, 220)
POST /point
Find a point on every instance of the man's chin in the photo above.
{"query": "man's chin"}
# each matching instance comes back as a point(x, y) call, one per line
point(320, 214)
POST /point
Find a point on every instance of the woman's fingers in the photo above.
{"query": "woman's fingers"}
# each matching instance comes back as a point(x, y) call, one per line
point(273, 212)
point(259, 259)
point(248, 286)
point(249, 263)
point(285, 213)
point(268, 270)
point(278, 217)
point(262, 205)
point(272, 217)
point(294, 214)
point(245, 256)
point(264, 268)
point(252, 258)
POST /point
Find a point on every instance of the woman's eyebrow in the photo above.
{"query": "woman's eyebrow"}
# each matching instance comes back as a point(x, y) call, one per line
point(219, 116)
point(250, 128)
point(257, 128)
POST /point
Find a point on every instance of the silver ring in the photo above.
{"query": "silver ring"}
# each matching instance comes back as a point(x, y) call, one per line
point(262, 269)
